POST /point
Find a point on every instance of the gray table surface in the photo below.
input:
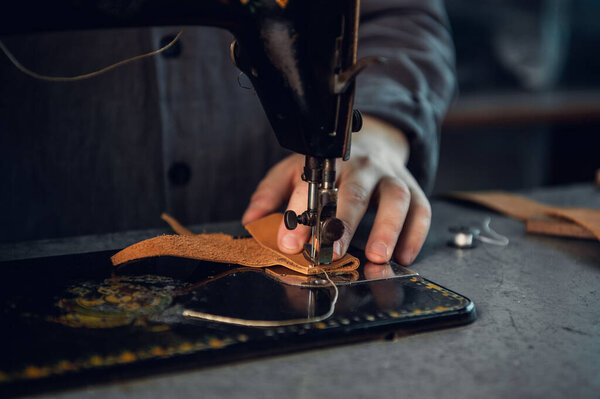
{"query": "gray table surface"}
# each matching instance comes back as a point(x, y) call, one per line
point(537, 335)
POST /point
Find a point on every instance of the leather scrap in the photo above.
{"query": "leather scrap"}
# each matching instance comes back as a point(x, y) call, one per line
point(588, 218)
point(512, 205)
point(264, 231)
point(216, 247)
point(532, 212)
point(550, 225)
point(175, 225)
point(291, 277)
point(256, 251)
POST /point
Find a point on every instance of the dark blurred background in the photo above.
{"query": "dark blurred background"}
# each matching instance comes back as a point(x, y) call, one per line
point(528, 110)
point(111, 153)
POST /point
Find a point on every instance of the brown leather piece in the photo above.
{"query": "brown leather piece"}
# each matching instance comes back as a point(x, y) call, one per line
point(265, 232)
point(532, 212)
point(291, 277)
point(175, 225)
point(588, 218)
point(550, 225)
point(216, 247)
point(512, 205)
point(219, 247)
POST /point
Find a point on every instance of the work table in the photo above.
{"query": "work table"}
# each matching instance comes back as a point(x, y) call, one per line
point(537, 332)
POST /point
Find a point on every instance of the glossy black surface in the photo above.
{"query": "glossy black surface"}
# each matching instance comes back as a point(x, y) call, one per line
point(77, 316)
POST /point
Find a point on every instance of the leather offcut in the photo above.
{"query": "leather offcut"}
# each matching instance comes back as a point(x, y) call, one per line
point(551, 225)
point(540, 218)
point(264, 231)
point(260, 250)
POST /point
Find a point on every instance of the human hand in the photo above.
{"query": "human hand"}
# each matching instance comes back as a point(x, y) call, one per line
point(375, 174)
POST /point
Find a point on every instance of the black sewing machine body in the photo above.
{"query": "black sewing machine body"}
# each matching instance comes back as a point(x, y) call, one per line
point(298, 54)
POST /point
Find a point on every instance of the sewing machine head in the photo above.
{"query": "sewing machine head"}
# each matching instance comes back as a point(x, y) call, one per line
point(299, 54)
point(301, 59)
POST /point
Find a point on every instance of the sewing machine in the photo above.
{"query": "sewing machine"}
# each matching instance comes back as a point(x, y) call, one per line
point(301, 58)
point(299, 55)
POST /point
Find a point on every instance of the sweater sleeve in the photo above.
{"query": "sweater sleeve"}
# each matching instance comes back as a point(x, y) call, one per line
point(414, 88)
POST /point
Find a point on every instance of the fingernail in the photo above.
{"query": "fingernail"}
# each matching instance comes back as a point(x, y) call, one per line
point(407, 257)
point(379, 248)
point(253, 204)
point(246, 218)
point(337, 249)
point(251, 208)
point(289, 242)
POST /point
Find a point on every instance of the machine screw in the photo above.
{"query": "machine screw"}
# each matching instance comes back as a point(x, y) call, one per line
point(357, 121)
point(333, 229)
point(290, 219)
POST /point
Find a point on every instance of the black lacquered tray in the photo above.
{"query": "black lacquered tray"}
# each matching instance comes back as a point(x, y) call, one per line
point(75, 319)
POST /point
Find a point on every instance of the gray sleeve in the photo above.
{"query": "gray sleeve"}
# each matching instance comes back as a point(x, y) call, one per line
point(413, 89)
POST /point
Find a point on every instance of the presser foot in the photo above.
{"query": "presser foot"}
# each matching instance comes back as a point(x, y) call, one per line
point(323, 256)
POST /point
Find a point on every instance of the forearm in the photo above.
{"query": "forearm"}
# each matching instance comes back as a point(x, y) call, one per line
point(380, 137)
point(412, 91)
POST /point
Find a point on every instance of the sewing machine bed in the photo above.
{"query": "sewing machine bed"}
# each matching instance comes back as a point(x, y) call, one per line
point(76, 319)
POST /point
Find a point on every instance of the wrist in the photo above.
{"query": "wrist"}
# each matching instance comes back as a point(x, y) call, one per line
point(380, 137)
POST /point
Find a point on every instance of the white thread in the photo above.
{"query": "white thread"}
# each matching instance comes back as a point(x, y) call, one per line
point(192, 314)
point(497, 239)
point(38, 76)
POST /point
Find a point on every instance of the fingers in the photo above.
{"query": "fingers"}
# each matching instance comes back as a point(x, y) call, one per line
point(415, 228)
point(401, 223)
point(292, 241)
point(354, 193)
point(272, 190)
point(394, 201)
